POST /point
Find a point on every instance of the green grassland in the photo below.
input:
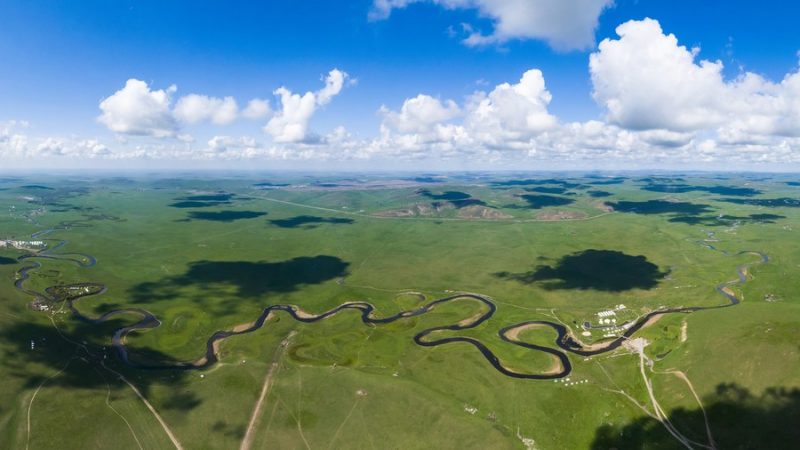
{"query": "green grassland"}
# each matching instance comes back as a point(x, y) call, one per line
point(209, 254)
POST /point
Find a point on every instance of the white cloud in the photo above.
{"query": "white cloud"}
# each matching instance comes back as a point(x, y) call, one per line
point(663, 107)
point(505, 117)
point(93, 148)
point(563, 24)
point(13, 144)
point(256, 109)
point(51, 147)
point(219, 144)
point(647, 81)
point(421, 115)
point(512, 112)
point(195, 108)
point(333, 85)
point(138, 110)
point(290, 123)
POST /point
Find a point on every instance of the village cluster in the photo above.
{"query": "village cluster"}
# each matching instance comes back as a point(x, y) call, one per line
point(607, 320)
point(22, 245)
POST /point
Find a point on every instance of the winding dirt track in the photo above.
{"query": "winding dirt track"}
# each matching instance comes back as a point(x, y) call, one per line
point(564, 341)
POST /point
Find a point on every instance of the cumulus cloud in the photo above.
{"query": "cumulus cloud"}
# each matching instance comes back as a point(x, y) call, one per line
point(512, 112)
point(663, 106)
point(220, 144)
point(508, 115)
point(195, 108)
point(647, 81)
point(290, 122)
point(256, 109)
point(136, 109)
point(13, 143)
point(421, 114)
point(139, 110)
point(563, 24)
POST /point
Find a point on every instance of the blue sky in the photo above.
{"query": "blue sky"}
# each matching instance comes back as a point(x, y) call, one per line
point(61, 59)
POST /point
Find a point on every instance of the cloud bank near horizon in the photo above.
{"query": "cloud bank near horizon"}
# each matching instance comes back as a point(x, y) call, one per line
point(660, 102)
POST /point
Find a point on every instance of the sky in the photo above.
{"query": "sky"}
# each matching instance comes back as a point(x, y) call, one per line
point(400, 84)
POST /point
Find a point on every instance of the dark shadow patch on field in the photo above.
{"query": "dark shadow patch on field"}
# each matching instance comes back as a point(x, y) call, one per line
point(539, 201)
point(4, 261)
point(783, 202)
point(602, 270)
point(655, 180)
point(462, 203)
point(427, 179)
point(537, 182)
point(220, 197)
point(454, 198)
point(547, 190)
point(47, 196)
point(448, 195)
point(196, 204)
point(204, 200)
point(251, 279)
point(224, 216)
point(722, 221)
point(720, 190)
point(793, 183)
point(520, 182)
point(268, 185)
point(80, 350)
point(308, 222)
point(181, 401)
point(234, 431)
point(738, 420)
point(659, 207)
point(599, 194)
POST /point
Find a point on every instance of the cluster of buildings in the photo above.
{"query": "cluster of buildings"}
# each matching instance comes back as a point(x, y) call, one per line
point(607, 320)
point(608, 317)
point(22, 245)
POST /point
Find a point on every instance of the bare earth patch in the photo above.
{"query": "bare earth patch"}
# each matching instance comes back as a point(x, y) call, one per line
point(560, 215)
point(481, 212)
point(412, 211)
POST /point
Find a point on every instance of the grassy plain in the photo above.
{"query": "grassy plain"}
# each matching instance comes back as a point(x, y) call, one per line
point(209, 254)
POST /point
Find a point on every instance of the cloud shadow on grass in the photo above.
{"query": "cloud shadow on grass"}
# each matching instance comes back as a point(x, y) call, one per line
point(455, 198)
point(659, 207)
point(77, 352)
point(224, 216)
point(539, 201)
point(738, 420)
point(308, 222)
point(726, 221)
point(602, 270)
point(782, 202)
point(547, 189)
point(196, 204)
point(219, 197)
point(251, 280)
point(683, 188)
